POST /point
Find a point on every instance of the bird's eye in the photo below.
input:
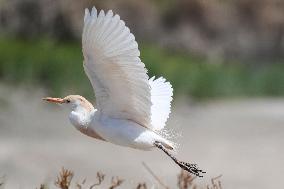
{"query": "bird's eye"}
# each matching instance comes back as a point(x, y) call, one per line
point(68, 101)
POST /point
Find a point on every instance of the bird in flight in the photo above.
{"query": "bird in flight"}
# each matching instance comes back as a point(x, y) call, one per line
point(130, 108)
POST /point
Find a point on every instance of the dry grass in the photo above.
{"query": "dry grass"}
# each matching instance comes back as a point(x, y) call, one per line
point(215, 183)
point(141, 186)
point(115, 182)
point(184, 181)
point(100, 178)
point(64, 179)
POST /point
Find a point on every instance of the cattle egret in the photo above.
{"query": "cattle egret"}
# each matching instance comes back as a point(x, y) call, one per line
point(130, 108)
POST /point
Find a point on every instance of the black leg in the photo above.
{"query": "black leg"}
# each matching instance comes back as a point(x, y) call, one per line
point(191, 168)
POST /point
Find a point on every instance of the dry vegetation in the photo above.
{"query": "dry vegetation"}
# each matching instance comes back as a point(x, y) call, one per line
point(184, 181)
point(64, 179)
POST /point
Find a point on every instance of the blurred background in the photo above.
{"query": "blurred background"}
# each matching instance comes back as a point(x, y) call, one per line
point(225, 60)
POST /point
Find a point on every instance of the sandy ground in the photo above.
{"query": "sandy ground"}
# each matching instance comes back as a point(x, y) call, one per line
point(241, 139)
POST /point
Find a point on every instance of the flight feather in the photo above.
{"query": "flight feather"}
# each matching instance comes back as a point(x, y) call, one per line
point(112, 63)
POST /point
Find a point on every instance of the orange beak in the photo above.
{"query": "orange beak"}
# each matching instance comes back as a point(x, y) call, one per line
point(54, 100)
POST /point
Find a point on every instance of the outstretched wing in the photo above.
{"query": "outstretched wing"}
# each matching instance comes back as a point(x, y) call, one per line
point(161, 97)
point(112, 63)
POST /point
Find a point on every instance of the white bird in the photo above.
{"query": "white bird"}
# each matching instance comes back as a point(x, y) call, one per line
point(130, 108)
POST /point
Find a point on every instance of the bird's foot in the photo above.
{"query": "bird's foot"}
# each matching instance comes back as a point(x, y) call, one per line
point(191, 168)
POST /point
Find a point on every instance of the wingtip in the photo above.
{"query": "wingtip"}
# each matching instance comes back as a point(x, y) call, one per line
point(110, 12)
point(102, 13)
point(94, 12)
point(87, 14)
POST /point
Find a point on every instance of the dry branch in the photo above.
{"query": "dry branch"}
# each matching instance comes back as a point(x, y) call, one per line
point(185, 180)
point(115, 182)
point(100, 178)
point(64, 179)
point(214, 184)
point(141, 186)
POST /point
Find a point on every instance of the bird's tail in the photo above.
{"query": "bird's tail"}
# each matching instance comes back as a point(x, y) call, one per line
point(161, 97)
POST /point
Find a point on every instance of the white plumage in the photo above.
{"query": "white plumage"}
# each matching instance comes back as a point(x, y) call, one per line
point(130, 107)
point(119, 78)
point(161, 97)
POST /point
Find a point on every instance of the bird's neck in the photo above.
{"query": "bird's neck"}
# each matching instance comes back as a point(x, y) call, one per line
point(81, 116)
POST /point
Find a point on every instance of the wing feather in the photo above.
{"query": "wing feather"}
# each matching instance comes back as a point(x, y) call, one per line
point(161, 97)
point(112, 63)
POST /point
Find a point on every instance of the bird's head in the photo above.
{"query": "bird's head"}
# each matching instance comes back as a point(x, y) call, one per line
point(74, 101)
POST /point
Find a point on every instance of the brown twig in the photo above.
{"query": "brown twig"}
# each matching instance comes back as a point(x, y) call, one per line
point(185, 180)
point(100, 178)
point(84, 181)
point(217, 186)
point(155, 176)
point(115, 182)
point(141, 186)
point(214, 184)
point(80, 185)
point(64, 179)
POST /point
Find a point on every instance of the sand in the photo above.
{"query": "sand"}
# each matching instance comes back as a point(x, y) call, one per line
point(242, 139)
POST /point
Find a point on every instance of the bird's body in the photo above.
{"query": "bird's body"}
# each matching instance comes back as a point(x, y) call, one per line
point(117, 131)
point(126, 133)
point(130, 108)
